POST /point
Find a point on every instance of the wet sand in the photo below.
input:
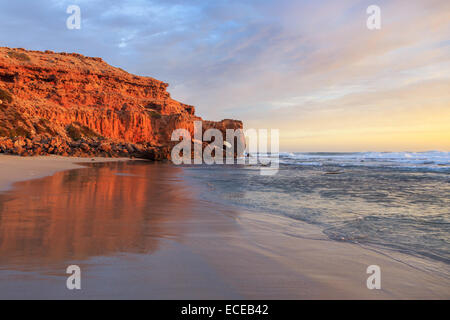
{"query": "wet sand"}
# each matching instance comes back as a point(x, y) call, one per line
point(139, 231)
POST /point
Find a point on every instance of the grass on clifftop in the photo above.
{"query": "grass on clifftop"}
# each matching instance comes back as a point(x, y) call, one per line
point(19, 56)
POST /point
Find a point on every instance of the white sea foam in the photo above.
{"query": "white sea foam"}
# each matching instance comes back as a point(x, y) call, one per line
point(433, 160)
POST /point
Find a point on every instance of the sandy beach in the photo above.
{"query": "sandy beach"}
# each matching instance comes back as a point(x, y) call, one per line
point(14, 169)
point(139, 230)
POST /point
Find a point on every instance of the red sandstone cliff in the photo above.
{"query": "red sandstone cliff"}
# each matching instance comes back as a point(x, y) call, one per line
point(69, 104)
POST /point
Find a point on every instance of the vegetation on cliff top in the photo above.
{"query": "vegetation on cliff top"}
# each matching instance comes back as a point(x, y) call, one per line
point(19, 56)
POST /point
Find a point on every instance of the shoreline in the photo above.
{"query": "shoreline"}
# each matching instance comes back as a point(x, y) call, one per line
point(337, 269)
point(203, 250)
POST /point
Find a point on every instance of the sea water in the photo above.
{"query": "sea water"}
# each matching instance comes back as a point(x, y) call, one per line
point(399, 201)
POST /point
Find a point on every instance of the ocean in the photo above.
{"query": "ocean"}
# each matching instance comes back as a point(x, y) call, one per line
point(394, 200)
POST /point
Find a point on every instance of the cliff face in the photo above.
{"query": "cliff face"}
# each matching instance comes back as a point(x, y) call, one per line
point(69, 104)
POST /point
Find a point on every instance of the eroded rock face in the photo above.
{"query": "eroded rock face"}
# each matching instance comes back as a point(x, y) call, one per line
point(69, 104)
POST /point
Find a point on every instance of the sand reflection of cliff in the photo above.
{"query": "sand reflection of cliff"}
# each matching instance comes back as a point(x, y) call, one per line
point(97, 211)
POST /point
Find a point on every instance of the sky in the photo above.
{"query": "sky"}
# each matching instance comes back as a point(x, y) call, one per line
point(311, 69)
